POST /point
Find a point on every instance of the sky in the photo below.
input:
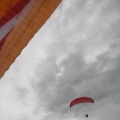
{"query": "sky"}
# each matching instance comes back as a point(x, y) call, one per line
point(76, 53)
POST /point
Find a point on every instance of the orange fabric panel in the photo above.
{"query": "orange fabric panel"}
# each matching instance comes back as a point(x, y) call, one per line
point(22, 33)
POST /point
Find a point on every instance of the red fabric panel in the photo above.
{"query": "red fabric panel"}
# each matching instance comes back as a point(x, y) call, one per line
point(14, 11)
point(81, 100)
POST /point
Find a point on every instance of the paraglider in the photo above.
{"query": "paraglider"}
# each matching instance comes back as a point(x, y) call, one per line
point(81, 100)
point(19, 21)
point(86, 115)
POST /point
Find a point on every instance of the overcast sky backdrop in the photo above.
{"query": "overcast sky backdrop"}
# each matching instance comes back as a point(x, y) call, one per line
point(76, 53)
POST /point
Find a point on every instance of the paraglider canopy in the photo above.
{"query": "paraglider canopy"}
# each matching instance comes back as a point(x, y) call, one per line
point(20, 20)
point(81, 100)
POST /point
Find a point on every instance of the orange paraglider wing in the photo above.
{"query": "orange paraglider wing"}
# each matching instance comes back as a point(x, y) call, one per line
point(81, 100)
point(19, 21)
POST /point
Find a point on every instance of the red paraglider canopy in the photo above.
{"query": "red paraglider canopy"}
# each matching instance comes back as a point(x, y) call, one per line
point(81, 100)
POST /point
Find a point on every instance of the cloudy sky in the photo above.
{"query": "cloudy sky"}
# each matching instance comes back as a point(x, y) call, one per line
point(76, 53)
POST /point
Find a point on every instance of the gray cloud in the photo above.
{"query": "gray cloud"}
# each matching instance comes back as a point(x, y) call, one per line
point(85, 28)
point(99, 80)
